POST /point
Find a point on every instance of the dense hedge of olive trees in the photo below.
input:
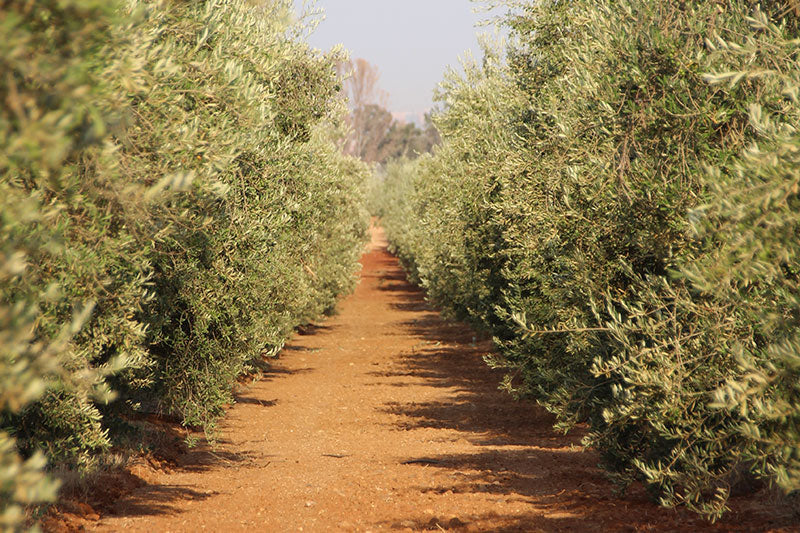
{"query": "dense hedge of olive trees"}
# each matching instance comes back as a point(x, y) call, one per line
point(173, 205)
point(616, 201)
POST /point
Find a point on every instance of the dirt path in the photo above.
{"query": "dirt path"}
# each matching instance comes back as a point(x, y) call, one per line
point(386, 418)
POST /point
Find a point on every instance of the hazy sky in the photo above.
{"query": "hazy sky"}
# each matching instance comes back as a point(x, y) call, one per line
point(410, 41)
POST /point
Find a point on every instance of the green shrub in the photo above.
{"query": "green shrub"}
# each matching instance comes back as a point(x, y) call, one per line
point(53, 210)
point(174, 205)
point(268, 232)
point(570, 212)
point(749, 273)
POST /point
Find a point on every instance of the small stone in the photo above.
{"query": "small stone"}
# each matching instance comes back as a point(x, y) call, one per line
point(456, 522)
point(310, 504)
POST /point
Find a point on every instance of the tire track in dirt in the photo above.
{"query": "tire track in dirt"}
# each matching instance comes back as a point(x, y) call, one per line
point(384, 417)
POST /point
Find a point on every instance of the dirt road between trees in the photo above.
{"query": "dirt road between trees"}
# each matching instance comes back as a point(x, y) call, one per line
point(385, 418)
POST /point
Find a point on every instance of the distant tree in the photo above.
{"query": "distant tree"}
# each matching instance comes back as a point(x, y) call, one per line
point(373, 134)
point(375, 123)
point(360, 88)
point(407, 140)
point(361, 83)
point(431, 132)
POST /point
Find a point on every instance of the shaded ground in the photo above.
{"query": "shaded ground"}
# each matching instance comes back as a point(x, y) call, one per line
point(386, 418)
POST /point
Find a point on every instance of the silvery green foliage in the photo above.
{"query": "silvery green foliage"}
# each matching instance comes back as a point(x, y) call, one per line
point(50, 128)
point(705, 358)
point(571, 211)
point(752, 224)
point(23, 365)
point(267, 232)
point(173, 205)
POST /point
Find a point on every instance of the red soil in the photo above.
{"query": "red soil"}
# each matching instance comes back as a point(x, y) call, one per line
point(385, 417)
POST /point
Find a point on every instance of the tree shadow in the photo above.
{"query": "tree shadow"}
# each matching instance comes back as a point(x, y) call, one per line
point(251, 400)
point(296, 347)
point(412, 306)
point(310, 329)
point(274, 373)
point(153, 500)
point(129, 491)
point(398, 287)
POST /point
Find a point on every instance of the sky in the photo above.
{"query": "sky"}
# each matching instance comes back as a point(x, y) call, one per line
point(410, 41)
